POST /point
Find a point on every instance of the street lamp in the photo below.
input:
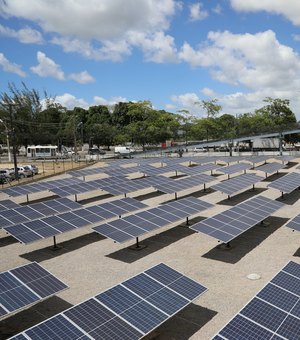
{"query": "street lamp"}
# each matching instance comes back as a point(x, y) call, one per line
point(7, 139)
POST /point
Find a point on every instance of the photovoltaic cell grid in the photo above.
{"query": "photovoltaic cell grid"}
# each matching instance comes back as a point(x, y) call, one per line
point(274, 313)
point(194, 170)
point(35, 230)
point(25, 285)
point(133, 226)
point(287, 183)
point(152, 171)
point(127, 311)
point(8, 204)
point(294, 223)
point(184, 183)
point(229, 224)
point(270, 168)
point(257, 159)
point(31, 212)
point(230, 159)
point(236, 184)
point(40, 186)
point(234, 168)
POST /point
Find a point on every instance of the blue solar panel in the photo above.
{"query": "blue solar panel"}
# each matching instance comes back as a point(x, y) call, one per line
point(274, 312)
point(127, 311)
point(25, 285)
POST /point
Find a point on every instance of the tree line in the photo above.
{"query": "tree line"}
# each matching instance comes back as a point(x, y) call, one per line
point(32, 120)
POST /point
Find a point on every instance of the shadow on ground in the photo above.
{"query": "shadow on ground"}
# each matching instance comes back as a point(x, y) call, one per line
point(274, 177)
point(297, 253)
point(290, 198)
point(184, 324)
point(149, 195)
point(47, 253)
point(94, 199)
point(246, 242)
point(32, 316)
point(236, 199)
point(151, 244)
point(290, 165)
point(6, 241)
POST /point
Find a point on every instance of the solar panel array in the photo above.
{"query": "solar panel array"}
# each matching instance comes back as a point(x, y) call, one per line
point(270, 168)
point(35, 230)
point(274, 313)
point(184, 183)
point(25, 285)
point(193, 170)
point(127, 311)
point(236, 184)
point(287, 183)
point(35, 211)
point(294, 223)
point(227, 225)
point(26, 189)
point(8, 204)
point(234, 168)
point(132, 226)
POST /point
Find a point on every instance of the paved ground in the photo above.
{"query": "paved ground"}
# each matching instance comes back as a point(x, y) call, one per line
point(89, 263)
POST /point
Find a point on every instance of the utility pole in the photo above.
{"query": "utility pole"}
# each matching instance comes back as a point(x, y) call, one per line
point(7, 140)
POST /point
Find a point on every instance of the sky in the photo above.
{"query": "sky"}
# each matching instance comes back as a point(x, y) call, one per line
point(173, 53)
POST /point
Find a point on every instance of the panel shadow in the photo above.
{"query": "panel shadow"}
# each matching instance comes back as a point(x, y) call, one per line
point(297, 253)
point(31, 316)
point(149, 195)
point(184, 324)
point(236, 199)
point(246, 242)
point(290, 198)
point(65, 247)
point(6, 241)
point(152, 244)
point(273, 177)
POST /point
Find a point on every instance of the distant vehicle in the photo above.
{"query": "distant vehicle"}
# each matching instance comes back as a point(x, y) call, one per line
point(96, 151)
point(123, 151)
point(24, 171)
point(33, 168)
point(41, 151)
point(8, 174)
point(199, 149)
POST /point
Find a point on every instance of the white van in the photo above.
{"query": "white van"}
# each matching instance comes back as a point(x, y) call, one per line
point(123, 151)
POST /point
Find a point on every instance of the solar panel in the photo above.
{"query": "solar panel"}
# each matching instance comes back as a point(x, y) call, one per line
point(199, 168)
point(287, 183)
point(8, 204)
point(127, 311)
point(227, 225)
point(270, 168)
point(31, 231)
point(294, 223)
point(22, 286)
point(236, 184)
point(133, 226)
point(231, 169)
point(272, 313)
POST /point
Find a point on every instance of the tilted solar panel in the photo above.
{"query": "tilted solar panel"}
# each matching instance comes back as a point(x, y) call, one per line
point(273, 313)
point(22, 286)
point(127, 311)
point(231, 169)
point(270, 168)
point(227, 225)
point(236, 184)
point(142, 222)
point(287, 183)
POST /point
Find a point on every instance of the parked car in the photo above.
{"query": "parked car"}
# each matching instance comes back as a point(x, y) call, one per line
point(96, 151)
point(199, 149)
point(33, 168)
point(24, 171)
point(8, 174)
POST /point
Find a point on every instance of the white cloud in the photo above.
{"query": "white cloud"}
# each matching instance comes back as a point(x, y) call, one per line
point(109, 102)
point(111, 25)
point(232, 59)
point(82, 78)
point(25, 35)
point(159, 48)
point(288, 8)
point(69, 101)
point(196, 12)
point(8, 66)
point(47, 67)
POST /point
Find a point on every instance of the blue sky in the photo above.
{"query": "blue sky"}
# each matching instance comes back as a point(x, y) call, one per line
point(173, 53)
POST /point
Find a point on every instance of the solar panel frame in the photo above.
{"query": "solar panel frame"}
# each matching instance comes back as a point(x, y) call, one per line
point(118, 312)
point(269, 314)
point(223, 230)
point(287, 183)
